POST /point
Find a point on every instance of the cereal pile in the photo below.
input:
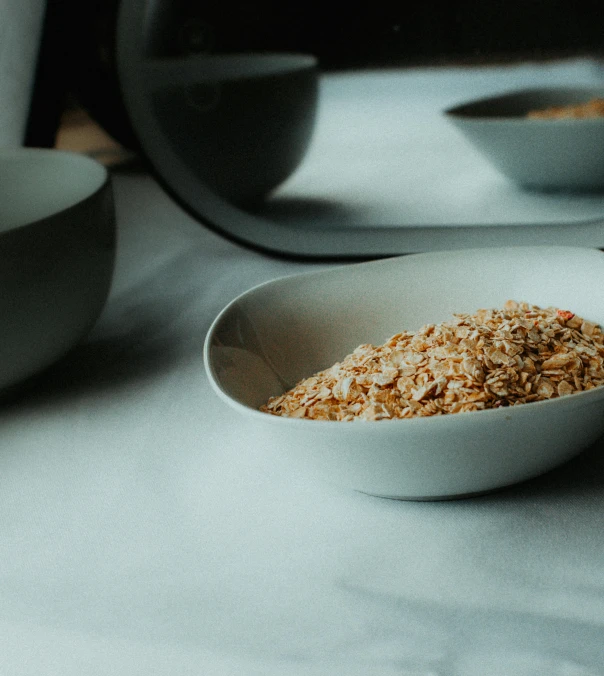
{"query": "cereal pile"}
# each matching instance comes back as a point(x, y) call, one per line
point(593, 108)
point(491, 358)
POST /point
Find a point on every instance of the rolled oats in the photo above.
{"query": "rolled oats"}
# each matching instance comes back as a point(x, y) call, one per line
point(503, 357)
point(591, 108)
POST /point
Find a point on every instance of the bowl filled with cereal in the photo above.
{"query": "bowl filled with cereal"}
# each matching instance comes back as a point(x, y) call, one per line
point(427, 376)
point(544, 138)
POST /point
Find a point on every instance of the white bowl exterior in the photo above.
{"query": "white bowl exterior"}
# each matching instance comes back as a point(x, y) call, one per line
point(55, 272)
point(443, 460)
point(547, 154)
point(285, 330)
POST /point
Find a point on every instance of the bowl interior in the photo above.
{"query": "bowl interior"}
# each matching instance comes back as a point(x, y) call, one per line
point(276, 334)
point(38, 183)
point(517, 104)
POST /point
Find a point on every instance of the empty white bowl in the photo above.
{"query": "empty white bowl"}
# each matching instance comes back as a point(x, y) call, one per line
point(545, 154)
point(278, 333)
point(57, 249)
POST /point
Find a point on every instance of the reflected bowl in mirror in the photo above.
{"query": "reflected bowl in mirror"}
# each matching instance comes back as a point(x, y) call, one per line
point(57, 249)
point(561, 153)
point(240, 123)
point(271, 337)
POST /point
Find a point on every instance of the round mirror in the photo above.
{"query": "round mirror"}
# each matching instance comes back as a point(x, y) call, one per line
point(246, 129)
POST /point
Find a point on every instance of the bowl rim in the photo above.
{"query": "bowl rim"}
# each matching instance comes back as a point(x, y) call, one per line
point(465, 111)
point(18, 152)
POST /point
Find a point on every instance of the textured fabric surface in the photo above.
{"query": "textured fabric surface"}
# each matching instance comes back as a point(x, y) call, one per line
point(144, 529)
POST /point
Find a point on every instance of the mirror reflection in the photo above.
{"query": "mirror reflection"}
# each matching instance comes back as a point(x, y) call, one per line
point(318, 130)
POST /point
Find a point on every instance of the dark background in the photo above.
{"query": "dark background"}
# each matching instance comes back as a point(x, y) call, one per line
point(77, 64)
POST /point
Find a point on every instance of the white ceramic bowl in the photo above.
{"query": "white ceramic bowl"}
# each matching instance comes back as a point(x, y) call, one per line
point(57, 248)
point(543, 154)
point(282, 331)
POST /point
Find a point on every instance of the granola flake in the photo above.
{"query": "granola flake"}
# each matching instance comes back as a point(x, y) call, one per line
point(497, 357)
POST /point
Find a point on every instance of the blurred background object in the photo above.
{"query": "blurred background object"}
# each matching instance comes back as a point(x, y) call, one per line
point(20, 31)
point(76, 69)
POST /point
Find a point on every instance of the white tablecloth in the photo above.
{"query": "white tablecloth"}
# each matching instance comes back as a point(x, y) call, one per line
point(144, 531)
